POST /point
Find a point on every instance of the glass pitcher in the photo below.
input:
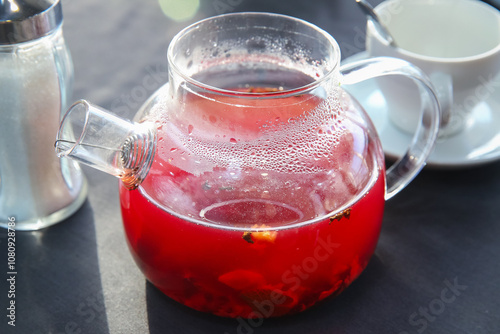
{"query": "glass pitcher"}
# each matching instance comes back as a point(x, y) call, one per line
point(252, 185)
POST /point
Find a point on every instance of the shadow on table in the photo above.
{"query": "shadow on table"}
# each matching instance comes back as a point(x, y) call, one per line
point(332, 316)
point(57, 286)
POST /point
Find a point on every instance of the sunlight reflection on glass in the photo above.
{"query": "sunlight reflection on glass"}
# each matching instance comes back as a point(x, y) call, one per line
point(13, 6)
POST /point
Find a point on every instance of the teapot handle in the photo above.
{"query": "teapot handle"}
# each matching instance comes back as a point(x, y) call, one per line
point(404, 170)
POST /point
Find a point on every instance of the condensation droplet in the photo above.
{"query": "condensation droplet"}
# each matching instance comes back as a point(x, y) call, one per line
point(294, 149)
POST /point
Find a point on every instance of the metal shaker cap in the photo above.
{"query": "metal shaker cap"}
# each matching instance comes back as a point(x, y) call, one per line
point(26, 20)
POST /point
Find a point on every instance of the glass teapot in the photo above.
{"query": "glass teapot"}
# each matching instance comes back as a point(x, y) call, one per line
point(252, 185)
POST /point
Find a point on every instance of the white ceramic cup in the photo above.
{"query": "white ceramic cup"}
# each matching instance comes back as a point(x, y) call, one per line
point(455, 42)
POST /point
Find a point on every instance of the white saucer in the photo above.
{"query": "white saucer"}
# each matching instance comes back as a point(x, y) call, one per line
point(478, 144)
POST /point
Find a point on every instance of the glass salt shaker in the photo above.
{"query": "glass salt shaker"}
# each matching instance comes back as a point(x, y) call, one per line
point(37, 189)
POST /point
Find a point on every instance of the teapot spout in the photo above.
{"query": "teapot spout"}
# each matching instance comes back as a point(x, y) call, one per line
point(95, 137)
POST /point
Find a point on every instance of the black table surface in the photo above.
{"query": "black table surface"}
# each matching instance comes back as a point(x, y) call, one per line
point(436, 268)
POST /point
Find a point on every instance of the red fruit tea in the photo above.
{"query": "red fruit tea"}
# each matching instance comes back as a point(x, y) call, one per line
point(257, 211)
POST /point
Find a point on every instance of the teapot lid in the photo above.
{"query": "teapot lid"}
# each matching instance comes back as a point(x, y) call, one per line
point(26, 20)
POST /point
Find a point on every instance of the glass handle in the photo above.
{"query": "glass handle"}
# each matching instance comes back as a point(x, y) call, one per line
point(409, 165)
